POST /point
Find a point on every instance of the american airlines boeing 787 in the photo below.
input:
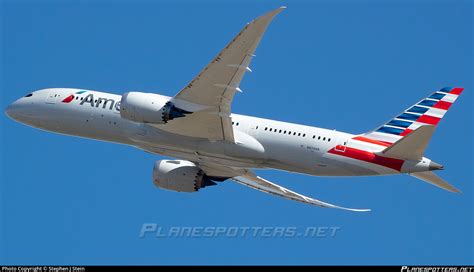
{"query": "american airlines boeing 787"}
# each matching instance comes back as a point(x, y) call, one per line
point(211, 144)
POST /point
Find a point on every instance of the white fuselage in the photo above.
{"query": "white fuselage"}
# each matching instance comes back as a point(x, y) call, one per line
point(286, 146)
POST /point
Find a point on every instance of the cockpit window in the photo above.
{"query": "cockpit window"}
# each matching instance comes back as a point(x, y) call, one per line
point(28, 95)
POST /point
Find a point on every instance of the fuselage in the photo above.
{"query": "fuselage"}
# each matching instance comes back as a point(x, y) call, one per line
point(260, 143)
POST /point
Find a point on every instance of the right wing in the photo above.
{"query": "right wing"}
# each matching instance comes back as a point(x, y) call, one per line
point(266, 186)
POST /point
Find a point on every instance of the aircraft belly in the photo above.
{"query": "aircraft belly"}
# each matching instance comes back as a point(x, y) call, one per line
point(345, 166)
point(289, 156)
point(97, 125)
point(165, 143)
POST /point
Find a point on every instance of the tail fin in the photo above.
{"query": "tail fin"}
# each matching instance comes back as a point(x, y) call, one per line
point(432, 178)
point(428, 111)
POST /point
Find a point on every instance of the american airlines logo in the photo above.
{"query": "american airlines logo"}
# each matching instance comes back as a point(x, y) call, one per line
point(89, 99)
point(71, 97)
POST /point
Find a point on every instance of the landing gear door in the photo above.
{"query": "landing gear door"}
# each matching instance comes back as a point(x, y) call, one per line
point(51, 97)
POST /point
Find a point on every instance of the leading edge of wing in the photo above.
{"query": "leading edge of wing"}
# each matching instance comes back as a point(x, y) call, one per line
point(266, 186)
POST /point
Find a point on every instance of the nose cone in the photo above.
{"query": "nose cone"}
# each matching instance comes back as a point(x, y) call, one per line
point(13, 111)
point(22, 110)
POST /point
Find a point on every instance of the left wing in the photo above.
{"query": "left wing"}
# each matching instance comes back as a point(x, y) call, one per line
point(209, 95)
point(248, 178)
point(266, 186)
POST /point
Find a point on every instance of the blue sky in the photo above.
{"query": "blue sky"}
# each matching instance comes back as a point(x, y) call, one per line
point(348, 65)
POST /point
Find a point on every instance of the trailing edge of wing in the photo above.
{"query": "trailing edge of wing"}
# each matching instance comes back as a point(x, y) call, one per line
point(266, 186)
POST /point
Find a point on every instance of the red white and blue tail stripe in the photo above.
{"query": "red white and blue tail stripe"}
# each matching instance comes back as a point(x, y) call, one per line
point(428, 111)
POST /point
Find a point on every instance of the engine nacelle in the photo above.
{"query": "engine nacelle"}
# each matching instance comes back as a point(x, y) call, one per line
point(149, 108)
point(181, 176)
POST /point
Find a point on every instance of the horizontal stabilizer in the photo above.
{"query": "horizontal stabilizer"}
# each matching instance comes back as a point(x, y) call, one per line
point(432, 178)
point(412, 146)
point(266, 186)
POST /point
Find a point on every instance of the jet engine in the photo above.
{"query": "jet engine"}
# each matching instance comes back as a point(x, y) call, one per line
point(149, 108)
point(181, 176)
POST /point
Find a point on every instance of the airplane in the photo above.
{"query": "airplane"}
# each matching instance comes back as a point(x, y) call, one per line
point(212, 145)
